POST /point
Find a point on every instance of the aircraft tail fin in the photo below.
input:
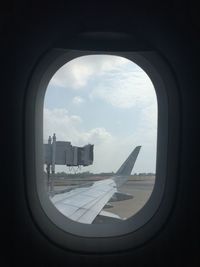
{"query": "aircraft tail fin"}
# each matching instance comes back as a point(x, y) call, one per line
point(127, 166)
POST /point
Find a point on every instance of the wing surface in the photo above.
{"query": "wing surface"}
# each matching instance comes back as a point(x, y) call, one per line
point(84, 204)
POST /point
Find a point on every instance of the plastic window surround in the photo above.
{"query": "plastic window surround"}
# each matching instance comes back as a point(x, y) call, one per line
point(144, 224)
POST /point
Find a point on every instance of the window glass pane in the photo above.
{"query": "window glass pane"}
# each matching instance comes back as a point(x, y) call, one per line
point(100, 133)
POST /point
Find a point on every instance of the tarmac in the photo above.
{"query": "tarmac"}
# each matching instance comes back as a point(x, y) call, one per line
point(140, 190)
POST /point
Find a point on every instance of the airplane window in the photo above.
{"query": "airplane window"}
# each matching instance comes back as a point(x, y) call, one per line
point(99, 137)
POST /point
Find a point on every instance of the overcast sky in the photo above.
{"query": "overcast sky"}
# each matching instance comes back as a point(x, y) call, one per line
point(108, 101)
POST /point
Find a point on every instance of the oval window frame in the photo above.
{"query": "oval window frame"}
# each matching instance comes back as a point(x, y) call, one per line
point(104, 237)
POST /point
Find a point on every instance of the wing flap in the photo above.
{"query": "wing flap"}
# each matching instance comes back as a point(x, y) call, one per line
point(109, 214)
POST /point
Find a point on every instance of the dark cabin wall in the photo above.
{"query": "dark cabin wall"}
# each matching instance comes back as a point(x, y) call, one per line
point(172, 29)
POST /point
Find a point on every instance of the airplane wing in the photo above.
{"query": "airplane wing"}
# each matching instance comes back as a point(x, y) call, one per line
point(85, 203)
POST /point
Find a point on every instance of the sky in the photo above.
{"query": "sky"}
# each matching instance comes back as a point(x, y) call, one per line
point(108, 101)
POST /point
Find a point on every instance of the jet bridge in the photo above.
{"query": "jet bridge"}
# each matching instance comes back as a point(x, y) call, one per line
point(63, 153)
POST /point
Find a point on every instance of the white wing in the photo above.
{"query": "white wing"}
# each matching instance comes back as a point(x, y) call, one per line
point(84, 204)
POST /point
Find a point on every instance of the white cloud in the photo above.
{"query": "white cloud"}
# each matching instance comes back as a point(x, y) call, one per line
point(70, 128)
point(76, 73)
point(126, 89)
point(77, 100)
point(96, 136)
